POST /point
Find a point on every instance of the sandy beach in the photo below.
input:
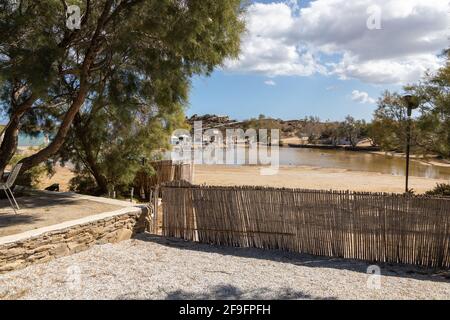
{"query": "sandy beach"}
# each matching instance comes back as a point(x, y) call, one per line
point(311, 178)
point(287, 177)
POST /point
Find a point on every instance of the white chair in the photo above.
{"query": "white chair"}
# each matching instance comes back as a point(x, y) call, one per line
point(8, 184)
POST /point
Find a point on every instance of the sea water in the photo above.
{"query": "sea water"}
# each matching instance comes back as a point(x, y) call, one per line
point(31, 141)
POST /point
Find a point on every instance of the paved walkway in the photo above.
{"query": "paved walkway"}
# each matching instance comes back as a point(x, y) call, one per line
point(42, 209)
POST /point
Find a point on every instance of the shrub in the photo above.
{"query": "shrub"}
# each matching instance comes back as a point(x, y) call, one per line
point(84, 184)
point(441, 190)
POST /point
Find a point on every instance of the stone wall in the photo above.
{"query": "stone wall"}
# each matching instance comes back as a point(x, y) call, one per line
point(76, 238)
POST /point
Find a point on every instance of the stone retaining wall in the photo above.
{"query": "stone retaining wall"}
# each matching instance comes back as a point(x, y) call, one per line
point(22, 250)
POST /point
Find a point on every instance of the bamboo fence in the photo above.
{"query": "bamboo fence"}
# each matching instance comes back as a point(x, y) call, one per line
point(165, 171)
point(367, 226)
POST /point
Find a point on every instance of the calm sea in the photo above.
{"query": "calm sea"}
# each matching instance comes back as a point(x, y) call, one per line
point(27, 141)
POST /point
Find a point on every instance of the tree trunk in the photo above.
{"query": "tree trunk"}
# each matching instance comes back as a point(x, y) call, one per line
point(102, 183)
point(90, 160)
point(9, 144)
point(60, 137)
point(11, 134)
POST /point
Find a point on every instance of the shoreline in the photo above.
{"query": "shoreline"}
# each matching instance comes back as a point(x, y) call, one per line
point(332, 147)
point(432, 160)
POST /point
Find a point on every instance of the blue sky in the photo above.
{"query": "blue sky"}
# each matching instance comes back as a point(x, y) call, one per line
point(242, 96)
point(327, 58)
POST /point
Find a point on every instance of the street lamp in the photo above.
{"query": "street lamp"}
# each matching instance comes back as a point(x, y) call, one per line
point(411, 103)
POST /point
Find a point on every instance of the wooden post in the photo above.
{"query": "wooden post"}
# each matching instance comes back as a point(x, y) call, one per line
point(155, 209)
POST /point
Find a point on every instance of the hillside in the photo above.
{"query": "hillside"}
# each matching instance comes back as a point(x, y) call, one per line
point(292, 131)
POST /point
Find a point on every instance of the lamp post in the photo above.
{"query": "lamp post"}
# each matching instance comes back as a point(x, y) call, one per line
point(411, 103)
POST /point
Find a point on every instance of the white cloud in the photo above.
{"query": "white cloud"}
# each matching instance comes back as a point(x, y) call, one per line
point(294, 5)
point(332, 37)
point(270, 83)
point(362, 97)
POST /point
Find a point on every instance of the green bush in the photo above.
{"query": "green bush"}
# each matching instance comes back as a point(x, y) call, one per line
point(441, 190)
point(84, 184)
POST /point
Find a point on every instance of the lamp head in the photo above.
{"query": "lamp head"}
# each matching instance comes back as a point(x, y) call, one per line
point(411, 103)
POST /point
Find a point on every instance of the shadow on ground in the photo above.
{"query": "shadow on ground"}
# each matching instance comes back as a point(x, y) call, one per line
point(228, 292)
point(40, 209)
point(30, 201)
point(391, 270)
point(35, 199)
point(8, 220)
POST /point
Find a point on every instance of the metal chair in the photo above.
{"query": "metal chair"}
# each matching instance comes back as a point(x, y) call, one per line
point(8, 184)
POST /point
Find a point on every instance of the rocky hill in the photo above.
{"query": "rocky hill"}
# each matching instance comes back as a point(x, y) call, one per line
point(291, 130)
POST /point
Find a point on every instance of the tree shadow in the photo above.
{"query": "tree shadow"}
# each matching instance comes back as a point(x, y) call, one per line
point(8, 220)
point(229, 292)
point(36, 199)
point(306, 260)
point(30, 202)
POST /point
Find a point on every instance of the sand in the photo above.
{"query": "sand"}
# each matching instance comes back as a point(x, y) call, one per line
point(311, 178)
point(289, 177)
point(62, 176)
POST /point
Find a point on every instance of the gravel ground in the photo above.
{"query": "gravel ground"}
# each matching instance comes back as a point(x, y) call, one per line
point(158, 268)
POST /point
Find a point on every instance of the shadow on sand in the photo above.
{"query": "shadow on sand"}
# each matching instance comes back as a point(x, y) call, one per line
point(298, 259)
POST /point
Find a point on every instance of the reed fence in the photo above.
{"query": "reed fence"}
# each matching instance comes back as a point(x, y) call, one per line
point(164, 171)
point(368, 226)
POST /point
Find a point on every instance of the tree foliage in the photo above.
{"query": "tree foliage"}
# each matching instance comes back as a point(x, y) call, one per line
point(430, 125)
point(121, 79)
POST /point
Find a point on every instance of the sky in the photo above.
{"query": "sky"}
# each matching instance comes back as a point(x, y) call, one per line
point(326, 58)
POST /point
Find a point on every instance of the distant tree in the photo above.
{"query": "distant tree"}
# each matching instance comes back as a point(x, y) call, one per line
point(430, 123)
point(311, 128)
point(434, 121)
point(353, 130)
point(262, 123)
point(388, 129)
point(331, 132)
